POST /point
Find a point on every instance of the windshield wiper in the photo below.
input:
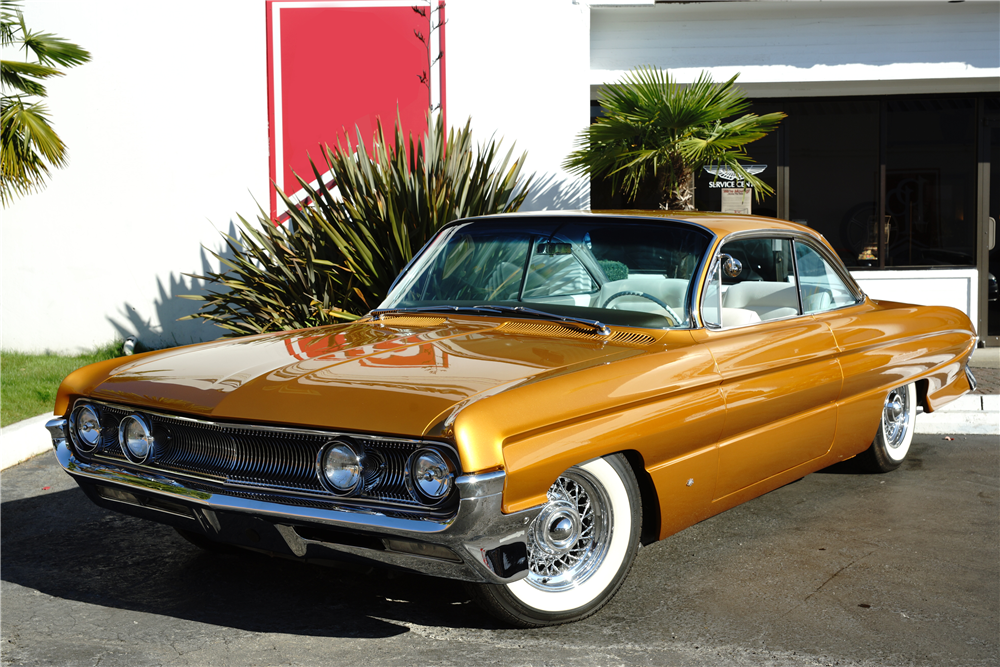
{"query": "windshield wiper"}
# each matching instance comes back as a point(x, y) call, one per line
point(487, 309)
point(376, 315)
point(599, 327)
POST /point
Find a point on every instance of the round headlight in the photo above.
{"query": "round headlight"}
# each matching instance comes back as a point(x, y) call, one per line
point(342, 467)
point(429, 475)
point(135, 438)
point(85, 428)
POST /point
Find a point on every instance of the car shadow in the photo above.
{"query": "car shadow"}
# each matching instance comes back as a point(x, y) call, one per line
point(62, 545)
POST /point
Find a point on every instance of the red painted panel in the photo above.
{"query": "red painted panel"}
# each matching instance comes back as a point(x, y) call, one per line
point(336, 65)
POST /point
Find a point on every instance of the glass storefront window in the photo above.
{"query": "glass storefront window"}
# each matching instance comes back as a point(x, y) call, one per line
point(833, 173)
point(930, 185)
point(834, 147)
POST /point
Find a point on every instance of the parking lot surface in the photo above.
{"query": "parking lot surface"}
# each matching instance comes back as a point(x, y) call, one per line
point(836, 569)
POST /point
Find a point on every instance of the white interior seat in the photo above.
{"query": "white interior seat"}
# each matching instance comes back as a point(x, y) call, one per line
point(737, 317)
point(770, 300)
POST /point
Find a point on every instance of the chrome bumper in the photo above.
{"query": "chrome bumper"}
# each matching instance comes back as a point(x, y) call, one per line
point(480, 543)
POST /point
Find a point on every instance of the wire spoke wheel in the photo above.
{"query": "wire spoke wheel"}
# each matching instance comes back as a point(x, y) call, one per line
point(569, 539)
point(895, 421)
point(895, 431)
point(580, 548)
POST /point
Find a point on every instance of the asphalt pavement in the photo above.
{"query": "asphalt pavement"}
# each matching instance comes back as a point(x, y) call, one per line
point(836, 569)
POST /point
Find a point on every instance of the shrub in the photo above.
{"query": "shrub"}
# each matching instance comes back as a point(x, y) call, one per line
point(337, 256)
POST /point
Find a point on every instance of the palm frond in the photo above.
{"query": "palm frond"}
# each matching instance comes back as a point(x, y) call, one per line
point(51, 49)
point(30, 147)
point(655, 131)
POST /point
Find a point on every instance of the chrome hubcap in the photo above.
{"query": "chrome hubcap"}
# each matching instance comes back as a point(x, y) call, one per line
point(557, 528)
point(568, 540)
point(895, 421)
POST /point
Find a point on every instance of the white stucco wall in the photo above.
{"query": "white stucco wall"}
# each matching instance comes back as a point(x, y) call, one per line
point(167, 136)
point(168, 140)
point(519, 69)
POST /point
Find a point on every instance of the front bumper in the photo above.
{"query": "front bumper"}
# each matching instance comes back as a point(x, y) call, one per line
point(478, 543)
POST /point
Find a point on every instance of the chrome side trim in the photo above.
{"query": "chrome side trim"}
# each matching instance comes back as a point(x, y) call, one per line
point(477, 529)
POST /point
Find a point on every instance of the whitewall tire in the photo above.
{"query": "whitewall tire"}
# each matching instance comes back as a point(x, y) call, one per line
point(580, 548)
point(895, 431)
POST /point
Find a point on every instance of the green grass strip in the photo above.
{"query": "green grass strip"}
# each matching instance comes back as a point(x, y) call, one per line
point(28, 382)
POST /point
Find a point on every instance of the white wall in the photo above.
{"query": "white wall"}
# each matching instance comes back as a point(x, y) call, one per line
point(167, 136)
point(519, 69)
point(958, 288)
point(786, 48)
point(167, 133)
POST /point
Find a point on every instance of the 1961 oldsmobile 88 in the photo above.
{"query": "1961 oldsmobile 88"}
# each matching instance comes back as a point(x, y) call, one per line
point(537, 396)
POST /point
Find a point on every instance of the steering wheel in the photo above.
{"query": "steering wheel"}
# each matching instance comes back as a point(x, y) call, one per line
point(670, 311)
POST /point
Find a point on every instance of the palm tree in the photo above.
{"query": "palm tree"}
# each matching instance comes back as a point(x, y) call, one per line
point(656, 133)
point(29, 146)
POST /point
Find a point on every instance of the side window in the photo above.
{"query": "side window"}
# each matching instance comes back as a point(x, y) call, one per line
point(765, 288)
point(819, 285)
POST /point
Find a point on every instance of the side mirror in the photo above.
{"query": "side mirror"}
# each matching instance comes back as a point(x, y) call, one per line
point(731, 266)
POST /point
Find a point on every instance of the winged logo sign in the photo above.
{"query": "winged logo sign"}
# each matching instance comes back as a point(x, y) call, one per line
point(727, 174)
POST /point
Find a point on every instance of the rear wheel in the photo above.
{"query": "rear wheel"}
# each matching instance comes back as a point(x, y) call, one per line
point(895, 431)
point(580, 548)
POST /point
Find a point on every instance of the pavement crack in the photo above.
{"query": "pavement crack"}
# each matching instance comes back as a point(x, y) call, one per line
point(828, 580)
point(835, 574)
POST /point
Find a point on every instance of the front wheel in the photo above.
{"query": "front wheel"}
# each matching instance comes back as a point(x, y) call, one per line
point(895, 431)
point(580, 548)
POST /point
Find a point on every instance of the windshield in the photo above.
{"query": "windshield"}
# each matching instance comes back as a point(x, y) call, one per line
point(613, 270)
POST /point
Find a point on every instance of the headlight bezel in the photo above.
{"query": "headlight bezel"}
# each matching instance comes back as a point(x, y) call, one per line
point(354, 452)
point(80, 443)
point(147, 437)
point(413, 477)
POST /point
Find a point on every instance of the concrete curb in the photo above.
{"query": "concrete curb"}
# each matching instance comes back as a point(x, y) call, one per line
point(972, 414)
point(20, 441)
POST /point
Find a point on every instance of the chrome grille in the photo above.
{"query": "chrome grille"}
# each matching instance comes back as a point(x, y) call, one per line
point(259, 459)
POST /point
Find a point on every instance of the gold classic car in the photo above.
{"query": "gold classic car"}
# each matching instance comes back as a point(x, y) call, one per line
point(538, 395)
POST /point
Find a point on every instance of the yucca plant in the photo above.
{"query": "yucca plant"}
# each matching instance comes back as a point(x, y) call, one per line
point(656, 133)
point(337, 255)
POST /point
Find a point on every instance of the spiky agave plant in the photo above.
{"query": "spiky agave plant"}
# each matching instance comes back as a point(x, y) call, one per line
point(656, 133)
point(340, 253)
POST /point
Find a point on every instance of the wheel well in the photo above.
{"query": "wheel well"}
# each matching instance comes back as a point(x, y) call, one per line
point(650, 501)
point(922, 386)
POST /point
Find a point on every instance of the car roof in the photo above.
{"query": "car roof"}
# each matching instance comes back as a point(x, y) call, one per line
point(722, 224)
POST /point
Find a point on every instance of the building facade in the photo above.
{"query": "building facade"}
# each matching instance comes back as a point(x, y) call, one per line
point(892, 109)
point(887, 149)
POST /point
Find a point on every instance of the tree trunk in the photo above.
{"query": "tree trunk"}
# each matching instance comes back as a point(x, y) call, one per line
point(669, 190)
point(681, 197)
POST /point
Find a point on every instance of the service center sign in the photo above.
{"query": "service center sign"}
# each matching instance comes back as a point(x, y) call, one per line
point(737, 194)
point(336, 65)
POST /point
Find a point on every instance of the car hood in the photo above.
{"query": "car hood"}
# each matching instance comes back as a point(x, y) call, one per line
point(393, 378)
